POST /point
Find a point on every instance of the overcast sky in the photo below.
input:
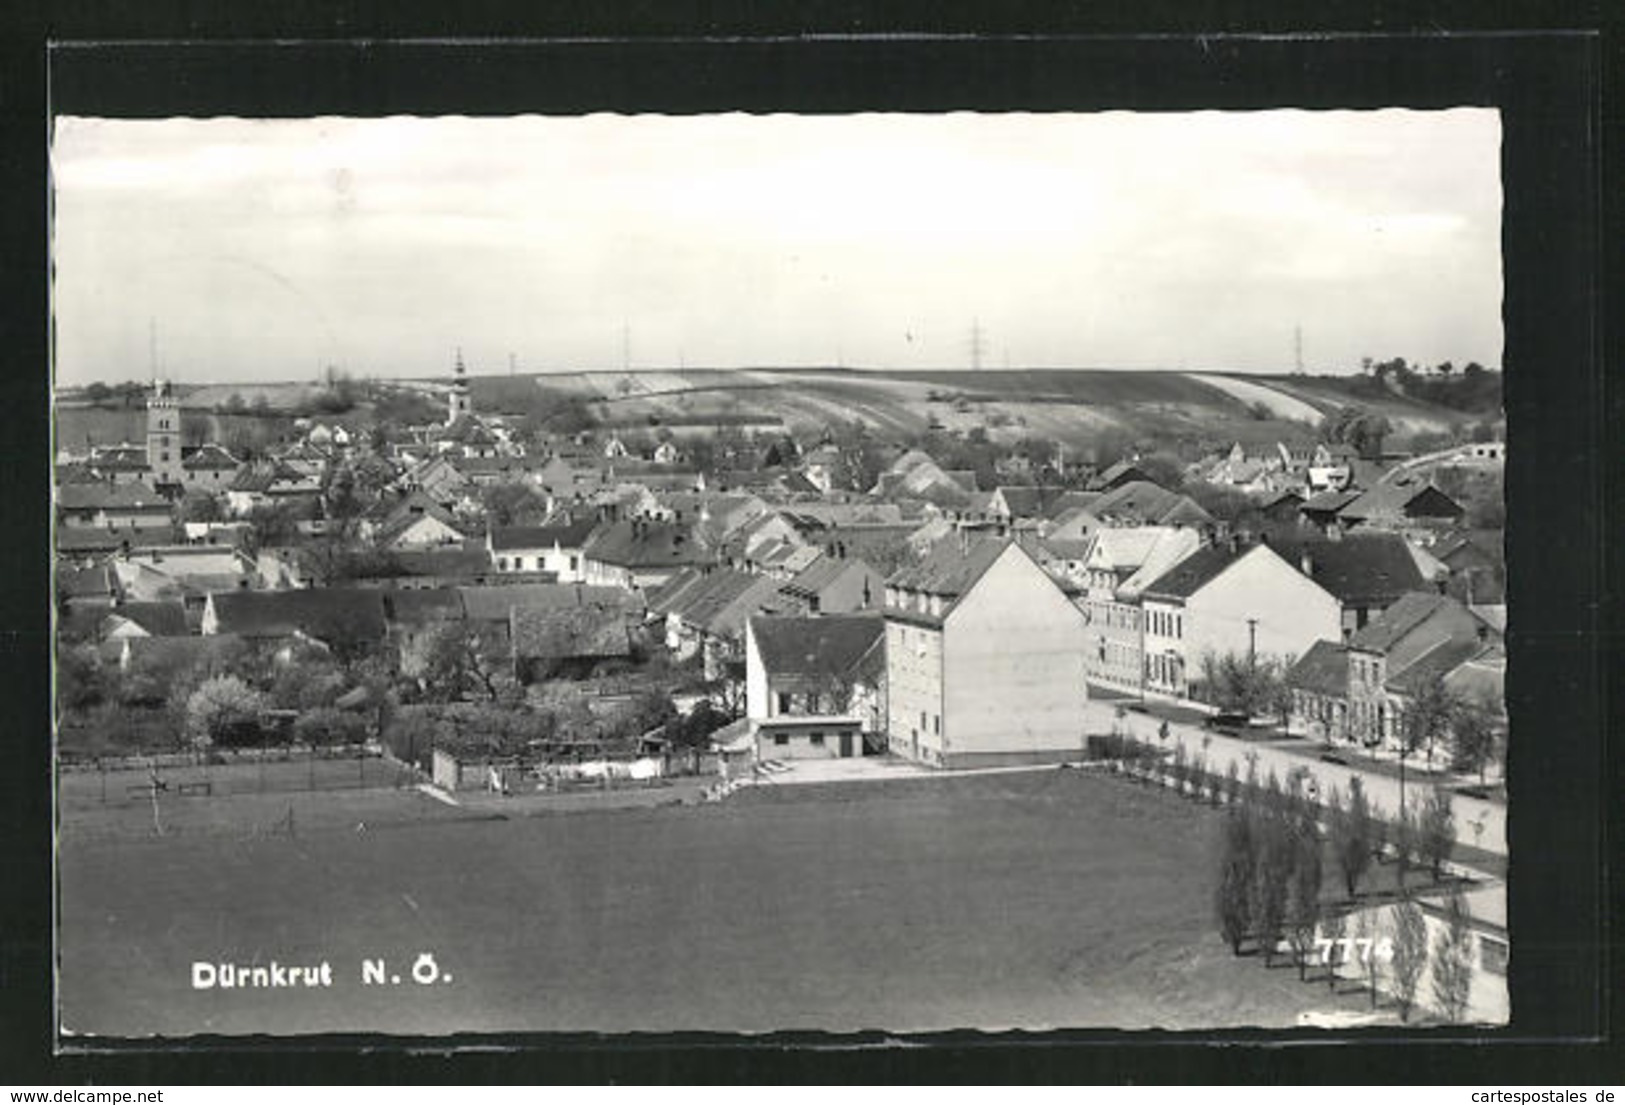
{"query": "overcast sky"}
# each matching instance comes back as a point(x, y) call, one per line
point(264, 250)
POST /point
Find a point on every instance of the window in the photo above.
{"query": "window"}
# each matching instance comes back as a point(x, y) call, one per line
point(573, 563)
point(780, 739)
point(502, 563)
point(1492, 954)
point(922, 719)
point(784, 702)
point(815, 739)
point(936, 724)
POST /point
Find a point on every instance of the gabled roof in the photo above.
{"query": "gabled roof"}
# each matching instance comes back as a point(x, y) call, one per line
point(568, 633)
point(103, 496)
point(567, 535)
point(160, 619)
point(494, 603)
point(418, 605)
point(448, 561)
point(1393, 624)
point(1124, 471)
point(97, 581)
point(209, 456)
point(1414, 499)
point(1068, 501)
point(1146, 502)
point(821, 573)
point(1357, 569)
point(1196, 571)
point(1328, 502)
point(317, 612)
point(646, 544)
point(1324, 669)
point(88, 539)
point(952, 566)
point(1437, 663)
point(812, 648)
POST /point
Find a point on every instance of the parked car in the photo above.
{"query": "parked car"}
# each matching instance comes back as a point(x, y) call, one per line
point(1227, 722)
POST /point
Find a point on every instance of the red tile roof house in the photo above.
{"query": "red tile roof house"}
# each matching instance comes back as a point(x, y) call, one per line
point(571, 642)
point(984, 659)
point(320, 614)
point(705, 613)
point(814, 686)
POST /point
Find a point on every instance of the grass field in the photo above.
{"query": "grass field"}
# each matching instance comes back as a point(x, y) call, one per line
point(1029, 900)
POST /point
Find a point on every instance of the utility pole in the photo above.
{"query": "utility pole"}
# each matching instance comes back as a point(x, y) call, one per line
point(978, 343)
point(1252, 642)
point(152, 347)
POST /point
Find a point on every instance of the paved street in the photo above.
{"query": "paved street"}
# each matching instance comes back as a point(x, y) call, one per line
point(1381, 789)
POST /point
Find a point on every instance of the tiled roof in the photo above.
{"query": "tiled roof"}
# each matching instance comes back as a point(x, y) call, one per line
point(1328, 502)
point(124, 496)
point(832, 644)
point(1358, 569)
point(160, 619)
point(316, 612)
point(210, 456)
point(644, 544)
point(414, 606)
point(93, 582)
point(818, 575)
point(1436, 663)
point(568, 535)
point(1324, 669)
point(449, 561)
point(1406, 613)
point(951, 566)
point(1196, 571)
point(87, 539)
point(1414, 499)
point(493, 603)
point(569, 632)
point(1145, 502)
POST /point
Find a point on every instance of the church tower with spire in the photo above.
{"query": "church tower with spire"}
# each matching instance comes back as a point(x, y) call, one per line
point(164, 437)
point(457, 402)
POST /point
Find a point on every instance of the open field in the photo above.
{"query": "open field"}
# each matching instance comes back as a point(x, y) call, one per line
point(1049, 898)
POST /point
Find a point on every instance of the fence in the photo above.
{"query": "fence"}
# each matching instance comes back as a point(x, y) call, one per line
point(128, 779)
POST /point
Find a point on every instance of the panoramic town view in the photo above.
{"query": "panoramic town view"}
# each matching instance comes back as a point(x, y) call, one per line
point(882, 573)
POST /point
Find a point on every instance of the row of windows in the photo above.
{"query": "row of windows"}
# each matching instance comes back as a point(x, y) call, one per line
point(1165, 671)
point(814, 739)
point(1113, 616)
point(1163, 623)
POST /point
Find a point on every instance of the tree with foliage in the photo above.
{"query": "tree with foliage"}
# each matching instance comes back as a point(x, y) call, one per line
point(223, 710)
point(1427, 718)
point(1410, 943)
point(1233, 896)
point(1351, 835)
point(513, 504)
point(1453, 962)
point(1303, 888)
point(1272, 874)
point(201, 506)
point(1163, 469)
point(1333, 928)
point(1436, 831)
point(458, 660)
point(1473, 736)
point(1253, 686)
point(329, 727)
point(1404, 841)
point(1367, 932)
point(81, 682)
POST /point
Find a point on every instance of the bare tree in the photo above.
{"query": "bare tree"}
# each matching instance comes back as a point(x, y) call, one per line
point(1367, 930)
point(1332, 929)
point(1453, 963)
point(1410, 954)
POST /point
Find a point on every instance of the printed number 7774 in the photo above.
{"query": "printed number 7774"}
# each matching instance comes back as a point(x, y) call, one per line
point(1342, 949)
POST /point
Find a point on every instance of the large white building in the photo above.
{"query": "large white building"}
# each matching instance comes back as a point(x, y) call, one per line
point(1230, 599)
point(984, 658)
